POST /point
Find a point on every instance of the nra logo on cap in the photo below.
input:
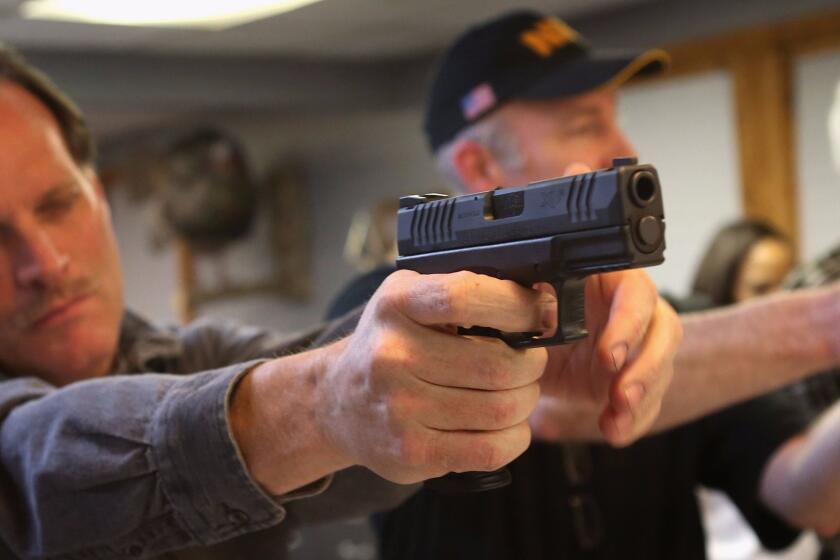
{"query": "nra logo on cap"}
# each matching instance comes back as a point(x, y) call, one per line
point(547, 36)
point(478, 101)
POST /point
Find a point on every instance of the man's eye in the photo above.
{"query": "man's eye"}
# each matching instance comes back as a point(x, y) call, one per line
point(58, 207)
point(588, 129)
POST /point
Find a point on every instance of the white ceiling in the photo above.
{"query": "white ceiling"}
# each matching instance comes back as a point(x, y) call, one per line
point(330, 28)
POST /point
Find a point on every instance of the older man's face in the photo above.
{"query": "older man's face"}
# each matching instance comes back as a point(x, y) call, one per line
point(552, 135)
point(60, 280)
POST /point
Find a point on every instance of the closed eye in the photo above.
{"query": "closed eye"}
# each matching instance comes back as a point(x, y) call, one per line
point(592, 128)
point(58, 202)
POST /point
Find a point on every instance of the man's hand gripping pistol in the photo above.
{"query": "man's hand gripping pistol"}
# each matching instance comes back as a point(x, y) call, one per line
point(557, 231)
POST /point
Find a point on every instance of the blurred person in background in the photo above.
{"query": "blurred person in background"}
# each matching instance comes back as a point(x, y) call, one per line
point(745, 259)
point(520, 99)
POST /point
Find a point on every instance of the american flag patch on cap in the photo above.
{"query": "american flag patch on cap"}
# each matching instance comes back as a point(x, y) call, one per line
point(478, 101)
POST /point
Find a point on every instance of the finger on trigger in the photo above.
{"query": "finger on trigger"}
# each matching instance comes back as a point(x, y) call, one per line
point(550, 313)
point(469, 299)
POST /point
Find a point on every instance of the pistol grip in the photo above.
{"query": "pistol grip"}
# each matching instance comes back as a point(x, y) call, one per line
point(571, 319)
point(470, 482)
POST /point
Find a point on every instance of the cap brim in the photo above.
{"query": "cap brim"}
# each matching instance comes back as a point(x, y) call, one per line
point(595, 71)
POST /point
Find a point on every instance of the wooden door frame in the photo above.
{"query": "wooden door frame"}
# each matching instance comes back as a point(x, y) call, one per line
point(761, 60)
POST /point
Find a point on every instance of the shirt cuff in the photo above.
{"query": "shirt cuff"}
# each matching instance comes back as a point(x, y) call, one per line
point(202, 471)
point(312, 489)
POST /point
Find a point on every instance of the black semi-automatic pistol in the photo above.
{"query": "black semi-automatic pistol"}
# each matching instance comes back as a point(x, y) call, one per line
point(557, 231)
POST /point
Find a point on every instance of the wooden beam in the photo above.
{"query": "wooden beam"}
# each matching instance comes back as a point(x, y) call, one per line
point(717, 52)
point(763, 89)
point(760, 61)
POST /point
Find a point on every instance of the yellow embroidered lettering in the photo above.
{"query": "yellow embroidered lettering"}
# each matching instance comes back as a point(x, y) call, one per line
point(547, 36)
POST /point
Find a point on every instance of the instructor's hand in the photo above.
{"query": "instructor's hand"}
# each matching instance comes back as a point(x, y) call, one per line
point(621, 370)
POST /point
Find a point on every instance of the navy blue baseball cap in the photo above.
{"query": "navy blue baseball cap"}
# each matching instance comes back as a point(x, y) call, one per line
point(521, 55)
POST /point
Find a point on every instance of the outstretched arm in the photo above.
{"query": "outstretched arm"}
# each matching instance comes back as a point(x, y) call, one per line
point(402, 396)
point(732, 354)
point(726, 356)
point(149, 463)
point(140, 463)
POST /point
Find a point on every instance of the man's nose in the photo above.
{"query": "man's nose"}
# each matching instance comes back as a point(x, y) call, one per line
point(39, 262)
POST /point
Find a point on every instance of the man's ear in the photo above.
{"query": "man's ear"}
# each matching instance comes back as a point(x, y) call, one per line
point(477, 166)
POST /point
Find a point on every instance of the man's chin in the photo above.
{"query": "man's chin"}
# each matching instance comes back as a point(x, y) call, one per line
point(69, 353)
point(65, 369)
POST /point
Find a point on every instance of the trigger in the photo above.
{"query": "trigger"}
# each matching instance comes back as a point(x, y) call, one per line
point(571, 316)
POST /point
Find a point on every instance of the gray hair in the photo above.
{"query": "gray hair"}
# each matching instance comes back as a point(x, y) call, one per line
point(494, 134)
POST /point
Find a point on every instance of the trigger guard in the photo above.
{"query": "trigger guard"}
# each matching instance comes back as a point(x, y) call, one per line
point(571, 316)
point(570, 320)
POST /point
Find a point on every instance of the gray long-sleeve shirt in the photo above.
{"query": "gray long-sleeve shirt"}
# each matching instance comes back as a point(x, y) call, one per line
point(140, 463)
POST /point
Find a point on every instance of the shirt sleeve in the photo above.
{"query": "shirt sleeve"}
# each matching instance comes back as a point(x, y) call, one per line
point(124, 466)
point(352, 492)
point(738, 443)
